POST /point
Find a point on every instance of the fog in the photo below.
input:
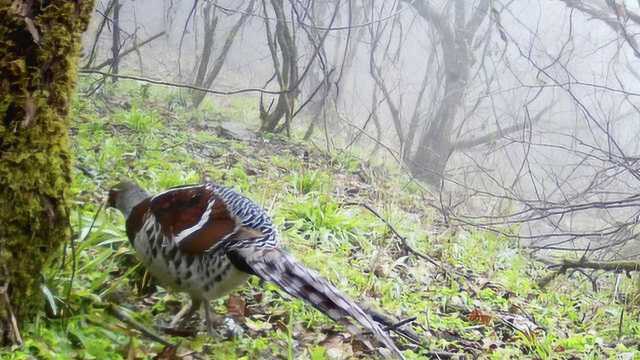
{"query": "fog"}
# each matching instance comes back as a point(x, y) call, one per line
point(521, 117)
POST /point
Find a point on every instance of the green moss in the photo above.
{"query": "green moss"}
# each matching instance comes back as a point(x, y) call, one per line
point(35, 160)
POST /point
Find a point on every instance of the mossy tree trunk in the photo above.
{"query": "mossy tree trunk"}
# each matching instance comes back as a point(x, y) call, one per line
point(39, 42)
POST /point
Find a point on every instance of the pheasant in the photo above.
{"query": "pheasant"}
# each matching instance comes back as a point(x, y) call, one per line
point(206, 240)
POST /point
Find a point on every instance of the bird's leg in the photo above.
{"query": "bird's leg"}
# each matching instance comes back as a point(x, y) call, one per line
point(186, 312)
point(209, 318)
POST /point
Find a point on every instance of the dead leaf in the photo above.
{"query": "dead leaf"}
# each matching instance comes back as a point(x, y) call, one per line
point(257, 297)
point(236, 306)
point(480, 316)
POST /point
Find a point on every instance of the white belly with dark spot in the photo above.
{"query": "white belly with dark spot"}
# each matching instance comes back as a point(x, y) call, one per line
point(206, 276)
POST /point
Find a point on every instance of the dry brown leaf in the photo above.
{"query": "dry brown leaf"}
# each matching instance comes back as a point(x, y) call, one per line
point(480, 316)
point(257, 297)
point(236, 306)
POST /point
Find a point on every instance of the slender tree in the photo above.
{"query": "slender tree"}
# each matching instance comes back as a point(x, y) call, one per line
point(455, 40)
point(207, 73)
point(39, 43)
point(284, 54)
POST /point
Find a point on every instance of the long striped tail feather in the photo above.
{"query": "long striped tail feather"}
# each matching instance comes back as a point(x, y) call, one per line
point(279, 267)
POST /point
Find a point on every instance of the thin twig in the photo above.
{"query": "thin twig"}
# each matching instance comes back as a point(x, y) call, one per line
point(127, 52)
point(185, 86)
point(310, 26)
point(402, 239)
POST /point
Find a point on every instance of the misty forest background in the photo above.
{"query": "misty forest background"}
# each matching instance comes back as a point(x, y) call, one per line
point(472, 166)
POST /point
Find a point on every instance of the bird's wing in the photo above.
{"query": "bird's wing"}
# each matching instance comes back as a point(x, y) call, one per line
point(194, 217)
point(279, 267)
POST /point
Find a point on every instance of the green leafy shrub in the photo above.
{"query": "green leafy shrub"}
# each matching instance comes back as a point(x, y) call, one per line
point(140, 121)
point(321, 219)
point(305, 182)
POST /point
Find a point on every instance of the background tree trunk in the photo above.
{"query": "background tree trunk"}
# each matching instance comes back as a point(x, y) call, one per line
point(115, 43)
point(203, 78)
point(286, 71)
point(39, 43)
point(434, 147)
point(429, 162)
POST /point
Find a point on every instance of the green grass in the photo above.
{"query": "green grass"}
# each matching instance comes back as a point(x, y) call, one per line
point(140, 121)
point(355, 250)
point(305, 182)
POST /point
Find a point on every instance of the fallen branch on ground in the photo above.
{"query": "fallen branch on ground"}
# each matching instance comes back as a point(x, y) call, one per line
point(566, 264)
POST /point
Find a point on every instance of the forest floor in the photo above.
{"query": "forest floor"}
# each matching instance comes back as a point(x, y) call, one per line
point(472, 293)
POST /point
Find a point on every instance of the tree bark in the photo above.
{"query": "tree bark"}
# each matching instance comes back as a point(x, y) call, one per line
point(39, 43)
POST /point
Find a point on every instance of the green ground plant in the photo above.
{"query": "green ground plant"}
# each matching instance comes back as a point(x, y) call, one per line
point(462, 309)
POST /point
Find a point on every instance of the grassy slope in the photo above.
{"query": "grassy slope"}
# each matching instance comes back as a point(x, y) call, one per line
point(455, 313)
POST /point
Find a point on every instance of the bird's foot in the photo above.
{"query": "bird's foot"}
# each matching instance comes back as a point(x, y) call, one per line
point(185, 313)
point(221, 326)
point(213, 320)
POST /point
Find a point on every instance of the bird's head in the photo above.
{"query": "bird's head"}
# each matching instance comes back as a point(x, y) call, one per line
point(125, 196)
